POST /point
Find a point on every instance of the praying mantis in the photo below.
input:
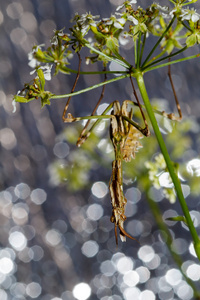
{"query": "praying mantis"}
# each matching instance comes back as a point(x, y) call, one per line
point(125, 135)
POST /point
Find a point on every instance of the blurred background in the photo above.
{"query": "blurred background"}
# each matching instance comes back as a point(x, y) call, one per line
point(56, 238)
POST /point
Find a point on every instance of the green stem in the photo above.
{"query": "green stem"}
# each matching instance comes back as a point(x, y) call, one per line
point(121, 62)
point(91, 87)
point(171, 62)
point(164, 58)
point(155, 59)
point(194, 1)
point(174, 177)
point(142, 50)
point(67, 70)
point(169, 241)
point(158, 42)
point(138, 51)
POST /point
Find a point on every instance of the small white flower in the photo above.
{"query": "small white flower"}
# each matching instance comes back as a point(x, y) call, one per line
point(118, 23)
point(162, 8)
point(130, 2)
point(84, 29)
point(32, 61)
point(132, 19)
point(54, 40)
point(32, 72)
point(61, 33)
point(105, 19)
point(46, 71)
point(190, 14)
point(108, 21)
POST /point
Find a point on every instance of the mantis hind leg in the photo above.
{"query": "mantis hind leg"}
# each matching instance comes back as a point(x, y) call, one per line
point(72, 90)
point(172, 116)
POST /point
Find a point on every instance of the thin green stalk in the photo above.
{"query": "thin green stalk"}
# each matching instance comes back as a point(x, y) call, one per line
point(67, 70)
point(142, 49)
point(154, 59)
point(194, 1)
point(171, 62)
point(169, 242)
point(174, 177)
point(91, 87)
point(164, 58)
point(138, 51)
point(123, 62)
point(158, 42)
point(188, 28)
point(135, 51)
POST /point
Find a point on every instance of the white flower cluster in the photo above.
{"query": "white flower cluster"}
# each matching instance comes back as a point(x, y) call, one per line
point(33, 63)
point(190, 14)
point(122, 6)
point(85, 21)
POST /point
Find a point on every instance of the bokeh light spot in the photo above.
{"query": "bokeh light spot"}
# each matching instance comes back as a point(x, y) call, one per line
point(17, 240)
point(90, 248)
point(38, 252)
point(185, 292)
point(154, 262)
point(7, 138)
point(28, 22)
point(3, 295)
point(53, 237)
point(124, 264)
point(147, 294)
point(144, 274)
point(173, 277)
point(193, 272)
point(81, 291)
point(133, 195)
point(99, 189)
point(18, 36)
point(107, 268)
point(14, 10)
point(95, 212)
point(131, 293)
point(33, 289)
point(22, 190)
point(146, 253)
point(131, 278)
point(6, 265)
point(47, 27)
point(38, 196)
point(20, 213)
point(61, 149)
point(179, 246)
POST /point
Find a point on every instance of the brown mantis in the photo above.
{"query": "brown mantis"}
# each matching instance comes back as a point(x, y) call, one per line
point(125, 135)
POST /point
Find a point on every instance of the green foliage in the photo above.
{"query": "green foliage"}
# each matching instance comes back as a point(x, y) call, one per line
point(174, 29)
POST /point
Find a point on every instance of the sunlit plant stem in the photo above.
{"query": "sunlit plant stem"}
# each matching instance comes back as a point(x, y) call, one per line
point(174, 177)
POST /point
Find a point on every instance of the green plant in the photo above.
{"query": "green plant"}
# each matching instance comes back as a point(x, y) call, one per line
point(175, 28)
